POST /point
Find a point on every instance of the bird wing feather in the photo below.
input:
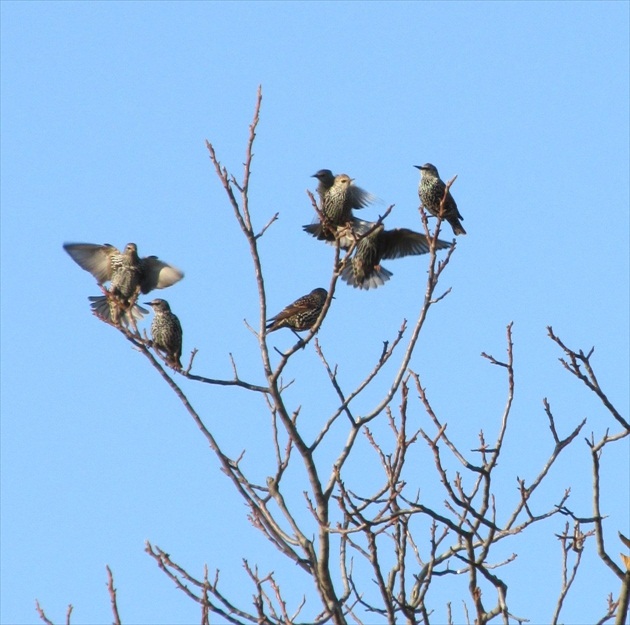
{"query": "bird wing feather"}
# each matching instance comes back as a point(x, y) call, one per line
point(93, 258)
point(298, 305)
point(157, 274)
point(360, 198)
point(402, 242)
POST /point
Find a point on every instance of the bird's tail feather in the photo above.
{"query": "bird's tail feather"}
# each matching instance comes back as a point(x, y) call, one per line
point(457, 227)
point(378, 277)
point(102, 307)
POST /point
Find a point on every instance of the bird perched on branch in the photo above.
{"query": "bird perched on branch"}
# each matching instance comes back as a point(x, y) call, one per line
point(339, 196)
point(128, 275)
point(431, 191)
point(166, 332)
point(364, 270)
point(301, 314)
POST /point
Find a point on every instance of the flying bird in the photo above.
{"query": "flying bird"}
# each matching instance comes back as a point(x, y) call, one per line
point(364, 270)
point(431, 191)
point(127, 273)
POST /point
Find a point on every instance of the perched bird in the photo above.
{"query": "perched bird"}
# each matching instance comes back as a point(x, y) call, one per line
point(301, 314)
point(338, 198)
point(166, 332)
point(341, 197)
point(364, 270)
point(431, 191)
point(127, 273)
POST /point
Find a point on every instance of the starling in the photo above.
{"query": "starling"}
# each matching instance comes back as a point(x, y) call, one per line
point(301, 314)
point(431, 191)
point(364, 270)
point(127, 273)
point(166, 332)
point(340, 197)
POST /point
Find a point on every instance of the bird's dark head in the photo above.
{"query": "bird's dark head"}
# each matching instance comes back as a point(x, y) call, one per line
point(131, 249)
point(159, 305)
point(324, 175)
point(428, 168)
point(320, 293)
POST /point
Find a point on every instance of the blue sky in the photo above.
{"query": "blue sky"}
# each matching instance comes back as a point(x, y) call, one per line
point(105, 109)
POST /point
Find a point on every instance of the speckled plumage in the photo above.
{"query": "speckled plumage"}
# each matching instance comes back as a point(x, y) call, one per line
point(431, 191)
point(301, 314)
point(166, 332)
point(340, 196)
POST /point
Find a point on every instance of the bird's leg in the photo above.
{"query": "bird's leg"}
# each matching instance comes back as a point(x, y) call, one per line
point(279, 352)
point(173, 364)
point(131, 303)
point(160, 353)
point(301, 342)
point(352, 235)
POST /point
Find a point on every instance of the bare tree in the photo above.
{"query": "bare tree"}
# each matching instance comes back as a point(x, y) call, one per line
point(377, 551)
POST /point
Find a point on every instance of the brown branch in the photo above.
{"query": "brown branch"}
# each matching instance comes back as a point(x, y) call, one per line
point(112, 596)
point(346, 400)
point(599, 529)
point(575, 361)
point(569, 542)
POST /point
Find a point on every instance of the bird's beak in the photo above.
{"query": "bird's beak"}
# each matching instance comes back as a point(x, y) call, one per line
point(148, 303)
point(418, 166)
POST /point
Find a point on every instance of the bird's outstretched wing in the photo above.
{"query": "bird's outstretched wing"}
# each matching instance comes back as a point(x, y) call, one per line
point(360, 198)
point(97, 259)
point(401, 242)
point(157, 274)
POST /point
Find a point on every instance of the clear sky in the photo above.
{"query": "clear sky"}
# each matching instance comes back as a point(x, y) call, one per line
point(105, 109)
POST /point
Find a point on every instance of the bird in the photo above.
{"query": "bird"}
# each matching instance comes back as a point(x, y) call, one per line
point(301, 314)
point(127, 274)
point(364, 270)
point(339, 196)
point(431, 191)
point(342, 197)
point(166, 332)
